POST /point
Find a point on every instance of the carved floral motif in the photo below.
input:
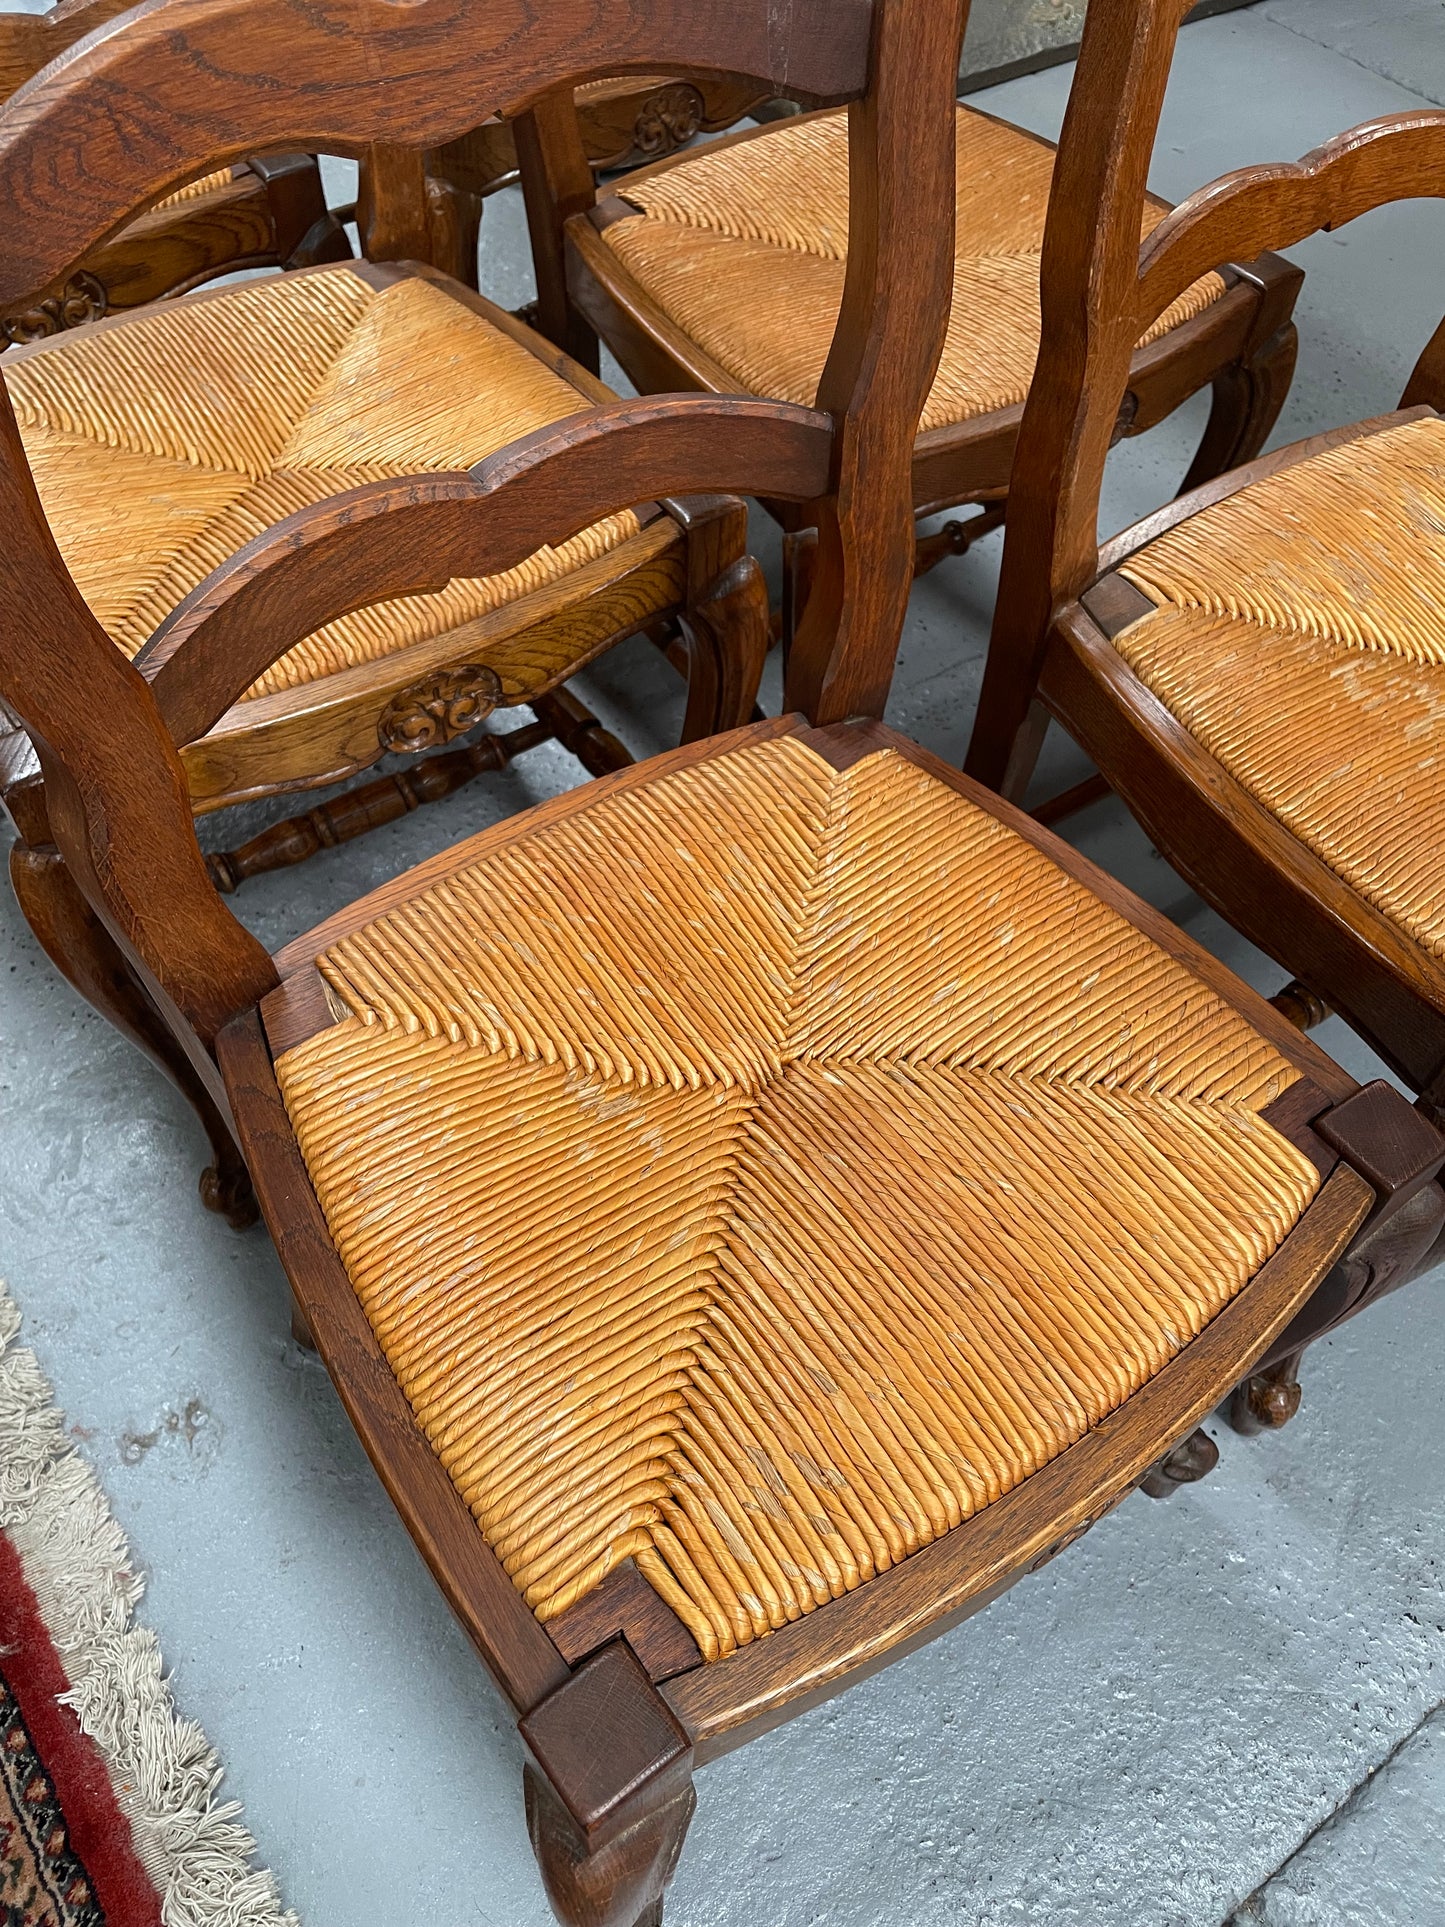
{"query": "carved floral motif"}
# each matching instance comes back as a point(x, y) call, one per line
point(668, 119)
point(82, 299)
point(440, 709)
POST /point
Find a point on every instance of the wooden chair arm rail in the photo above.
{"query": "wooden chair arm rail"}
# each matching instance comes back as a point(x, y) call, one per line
point(735, 1698)
point(513, 1645)
point(1278, 204)
point(413, 535)
point(205, 81)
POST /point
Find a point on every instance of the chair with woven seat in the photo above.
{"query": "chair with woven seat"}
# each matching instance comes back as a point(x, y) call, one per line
point(265, 211)
point(1256, 669)
point(756, 1206)
point(721, 269)
point(165, 439)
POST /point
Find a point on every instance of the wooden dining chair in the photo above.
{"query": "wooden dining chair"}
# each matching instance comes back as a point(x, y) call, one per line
point(720, 269)
point(757, 1206)
point(165, 439)
point(1257, 668)
point(261, 212)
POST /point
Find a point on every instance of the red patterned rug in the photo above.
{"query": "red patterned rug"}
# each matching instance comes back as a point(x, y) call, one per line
point(108, 1815)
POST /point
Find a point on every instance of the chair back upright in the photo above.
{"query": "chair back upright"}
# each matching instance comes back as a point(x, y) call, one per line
point(176, 86)
point(1102, 290)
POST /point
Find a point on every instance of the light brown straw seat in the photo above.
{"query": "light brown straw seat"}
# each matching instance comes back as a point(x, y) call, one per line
point(162, 443)
point(763, 1168)
point(744, 246)
point(1300, 637)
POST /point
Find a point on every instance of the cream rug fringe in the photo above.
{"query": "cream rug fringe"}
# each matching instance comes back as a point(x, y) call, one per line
point(163, 1768)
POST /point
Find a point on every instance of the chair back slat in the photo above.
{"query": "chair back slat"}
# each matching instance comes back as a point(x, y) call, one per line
point(176, 85)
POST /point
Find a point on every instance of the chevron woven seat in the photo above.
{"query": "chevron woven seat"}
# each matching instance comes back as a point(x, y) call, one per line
point(162, 443)
point(743, 245)
point(1298, 637)
point(763, 1166)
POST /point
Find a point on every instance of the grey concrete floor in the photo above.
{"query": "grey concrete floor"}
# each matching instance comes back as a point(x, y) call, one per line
point(1222, 1711)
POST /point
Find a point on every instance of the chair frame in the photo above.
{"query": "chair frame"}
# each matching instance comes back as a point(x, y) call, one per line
point(1060, 599)
point(613, 1709)
point(271, 214)
point(1244, 345)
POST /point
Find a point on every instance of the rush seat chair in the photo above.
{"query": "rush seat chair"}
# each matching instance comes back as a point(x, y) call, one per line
point(759, 1205)
point(1257, 669)
point(721, 269)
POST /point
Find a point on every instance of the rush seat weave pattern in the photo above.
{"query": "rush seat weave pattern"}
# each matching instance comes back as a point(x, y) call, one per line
point(161, 444)
point(745, 248)
point(1300, 639)
point(764, 1168)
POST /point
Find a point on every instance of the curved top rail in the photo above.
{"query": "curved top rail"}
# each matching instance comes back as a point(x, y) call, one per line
point(149, 100)
point(1396, 158)
point(413, 535)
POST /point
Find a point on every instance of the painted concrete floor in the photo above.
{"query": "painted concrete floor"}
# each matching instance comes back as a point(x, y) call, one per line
point(1225, 1710)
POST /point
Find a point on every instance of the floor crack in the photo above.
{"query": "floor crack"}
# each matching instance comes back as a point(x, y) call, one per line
point(1364, 66)
point(1248, 1913)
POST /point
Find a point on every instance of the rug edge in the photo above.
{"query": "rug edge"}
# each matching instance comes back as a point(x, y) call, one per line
point(164, 1770)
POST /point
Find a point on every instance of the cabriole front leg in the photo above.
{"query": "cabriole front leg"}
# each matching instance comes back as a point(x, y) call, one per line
point(609, 1793)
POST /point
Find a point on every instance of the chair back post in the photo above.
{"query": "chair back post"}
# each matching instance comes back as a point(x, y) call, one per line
point(884, 356)
point(1088, 276)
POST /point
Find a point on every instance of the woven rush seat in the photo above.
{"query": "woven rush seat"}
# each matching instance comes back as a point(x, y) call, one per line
point(162, 443)
point(744, 246)
point(1299, 638)
point(764, 1167)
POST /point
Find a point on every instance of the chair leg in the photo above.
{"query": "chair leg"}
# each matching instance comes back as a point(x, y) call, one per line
point(1266, 1400)
point(727, 634)
point(1192, 1459)
point(85, 953)
point(619, 1884)
point(1248, 396)
point(609, 1792)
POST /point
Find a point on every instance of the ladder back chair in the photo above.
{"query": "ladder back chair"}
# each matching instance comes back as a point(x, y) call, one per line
point(721, 270)
point(165, 439)
point(1257, 669)
point(756, 1206)
point(261, 212)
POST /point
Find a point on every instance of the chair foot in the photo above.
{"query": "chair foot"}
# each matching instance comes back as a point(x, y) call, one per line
point(226, 1189)
point(1266, 1400)
point(1192, 1459)
point(368, 806)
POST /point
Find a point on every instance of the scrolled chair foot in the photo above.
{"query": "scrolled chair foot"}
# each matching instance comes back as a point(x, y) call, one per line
point(1266, 1400)
point(226, 1189)
point(1192, 1459)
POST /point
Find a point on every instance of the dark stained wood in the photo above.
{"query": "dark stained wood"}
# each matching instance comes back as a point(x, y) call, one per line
point(1115, 604)
point(1192, 1459)
point(732, 1699)
point(297, 1009)
point(624, 1606)
point(198, 82)
point(1092, 789)
point(1293, 1115)
point(1268, 1398)
point(411, 536)
point(609, 1807)
point(1387, 1141)
point(517, 1652)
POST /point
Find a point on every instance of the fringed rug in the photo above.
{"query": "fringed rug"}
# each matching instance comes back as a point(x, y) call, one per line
point(109, 1814)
